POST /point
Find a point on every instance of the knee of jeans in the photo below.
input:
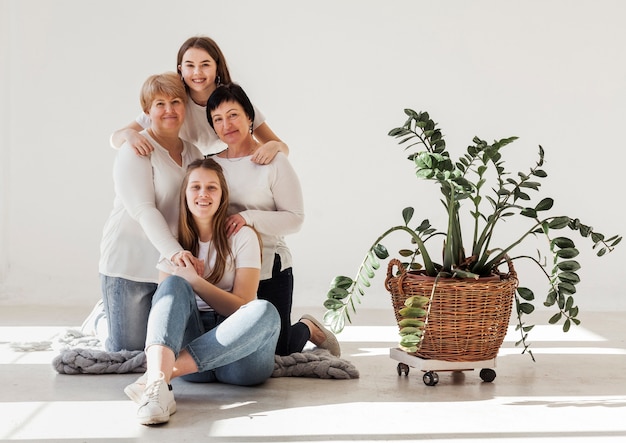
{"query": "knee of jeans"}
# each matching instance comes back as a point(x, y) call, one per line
point(269, 312)
point(178, 284)
point(200, 377)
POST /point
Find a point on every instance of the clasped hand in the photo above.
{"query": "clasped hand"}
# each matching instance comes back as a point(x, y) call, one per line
point(187, 265)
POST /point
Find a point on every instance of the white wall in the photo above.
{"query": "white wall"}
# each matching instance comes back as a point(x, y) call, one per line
point(332, 77)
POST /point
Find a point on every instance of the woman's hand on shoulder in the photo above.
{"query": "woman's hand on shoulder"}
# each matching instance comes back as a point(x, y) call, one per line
point(234, 223)
point(130, 133)
point(267, 151)
point(140, 144)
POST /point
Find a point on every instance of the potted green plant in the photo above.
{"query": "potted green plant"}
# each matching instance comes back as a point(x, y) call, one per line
point(476, 188)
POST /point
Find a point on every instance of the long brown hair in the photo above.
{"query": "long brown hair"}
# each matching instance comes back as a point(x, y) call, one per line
point(188, 234)
point(207, 44)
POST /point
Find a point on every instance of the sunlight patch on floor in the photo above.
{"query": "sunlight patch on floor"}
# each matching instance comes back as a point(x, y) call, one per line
point(38, 421)
point(508, 416)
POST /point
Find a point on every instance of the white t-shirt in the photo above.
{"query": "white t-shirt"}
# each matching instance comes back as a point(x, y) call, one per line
point(269, 198)
point(246, 252)
point(196, 128)
point(143, 222)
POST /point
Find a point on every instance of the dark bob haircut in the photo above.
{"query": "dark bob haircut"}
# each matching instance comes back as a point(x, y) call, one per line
point(230, 92)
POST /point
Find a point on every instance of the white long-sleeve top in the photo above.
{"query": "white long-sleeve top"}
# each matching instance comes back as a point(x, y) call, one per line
point(143, 223)
point(269, 198)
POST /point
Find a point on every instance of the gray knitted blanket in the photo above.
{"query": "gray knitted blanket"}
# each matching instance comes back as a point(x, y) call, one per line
point(81, 354)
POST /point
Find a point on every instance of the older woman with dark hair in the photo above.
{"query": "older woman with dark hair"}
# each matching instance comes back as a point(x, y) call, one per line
point(269, 199)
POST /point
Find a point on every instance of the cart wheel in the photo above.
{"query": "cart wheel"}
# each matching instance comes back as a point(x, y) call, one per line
point(430, 378)
point(487, 375)
point(403, 368)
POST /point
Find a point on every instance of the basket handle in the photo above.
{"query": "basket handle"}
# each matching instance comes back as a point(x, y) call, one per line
point(394, 262)
point(512, 273)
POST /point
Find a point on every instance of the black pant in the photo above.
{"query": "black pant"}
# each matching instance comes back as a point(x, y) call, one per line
point(278, 290)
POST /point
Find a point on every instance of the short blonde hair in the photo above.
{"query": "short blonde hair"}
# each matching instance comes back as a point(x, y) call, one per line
point(168, 84)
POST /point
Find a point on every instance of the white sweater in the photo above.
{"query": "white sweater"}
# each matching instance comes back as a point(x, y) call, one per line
point(143, 223)
point(269, 198)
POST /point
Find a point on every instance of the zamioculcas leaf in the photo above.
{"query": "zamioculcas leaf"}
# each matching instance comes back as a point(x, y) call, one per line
point(381, 252)
point(571, 277)
point(567, 288)
point(544, 204)
point(596, 237)
point(526, 308)
point(563, 242)
point(567, 325)
point(373, 261)
point(567, 253)
point(330, 303)
point(337, 293)
point(366, 272)
point(423, 226)
point(407, 215)
point(558, 222)
point(526, 294)
point(342, 282)
point(364, 281)
point(405, 252)
point(555, 318)
point(569, 265)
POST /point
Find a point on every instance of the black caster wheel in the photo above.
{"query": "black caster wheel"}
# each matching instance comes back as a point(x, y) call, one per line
point(403, 369)
point(430, 378)
point(487, 375)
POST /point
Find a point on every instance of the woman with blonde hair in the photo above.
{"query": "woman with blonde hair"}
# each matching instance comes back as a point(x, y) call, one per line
point(143, 223)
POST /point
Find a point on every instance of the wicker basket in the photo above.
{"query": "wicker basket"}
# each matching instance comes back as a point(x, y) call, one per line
point(466, 319)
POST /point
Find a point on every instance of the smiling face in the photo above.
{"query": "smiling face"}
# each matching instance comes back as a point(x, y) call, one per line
point(166, 113)
point(198, 70)
point(231, 123)
point(203, 193)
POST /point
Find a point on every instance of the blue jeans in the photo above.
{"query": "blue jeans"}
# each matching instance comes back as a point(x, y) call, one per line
point(278, 290)
point(238, 349)
point(127, 306)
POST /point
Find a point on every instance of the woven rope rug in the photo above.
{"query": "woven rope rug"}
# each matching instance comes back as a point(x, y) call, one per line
point(84, 354)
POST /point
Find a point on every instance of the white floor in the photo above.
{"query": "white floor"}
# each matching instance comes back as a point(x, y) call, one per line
point(574, 392)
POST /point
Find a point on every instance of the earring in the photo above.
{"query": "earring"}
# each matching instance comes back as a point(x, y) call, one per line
point(218, 80)
point(251, 128)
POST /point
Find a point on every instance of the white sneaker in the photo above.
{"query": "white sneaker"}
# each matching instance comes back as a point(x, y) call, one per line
point(134, 391)
point(157, 403)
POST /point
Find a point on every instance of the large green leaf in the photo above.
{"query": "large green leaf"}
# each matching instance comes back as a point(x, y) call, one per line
point(341, 281)
point(407, 215)
point(558, 222)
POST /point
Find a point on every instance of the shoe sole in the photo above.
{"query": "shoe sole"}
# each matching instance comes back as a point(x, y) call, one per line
point(159, 419)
